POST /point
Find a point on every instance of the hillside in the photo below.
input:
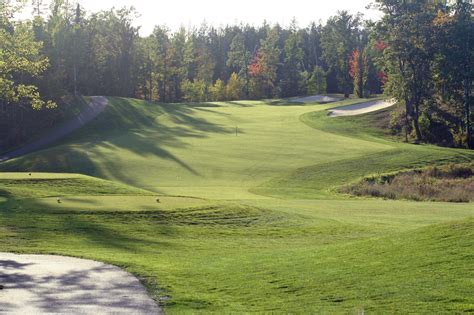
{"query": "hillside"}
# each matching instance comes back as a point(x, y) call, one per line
point(248, 217)
point(195, 151)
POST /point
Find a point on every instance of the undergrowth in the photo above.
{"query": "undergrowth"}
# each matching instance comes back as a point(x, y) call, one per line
point(452, 183)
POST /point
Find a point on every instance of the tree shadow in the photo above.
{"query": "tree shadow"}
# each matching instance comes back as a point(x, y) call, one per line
point(124, 125)
point(104, 229)
point(12, 264)
point(75, 288)
point(285, 103)
point(211, 104)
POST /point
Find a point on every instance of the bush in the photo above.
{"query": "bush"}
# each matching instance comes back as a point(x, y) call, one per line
point(235, 88)
point(218, 91)
point(194, 91)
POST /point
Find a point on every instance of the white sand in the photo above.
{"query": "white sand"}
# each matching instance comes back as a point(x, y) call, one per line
point(39, 284)
point(316, 99)
point(362, 108)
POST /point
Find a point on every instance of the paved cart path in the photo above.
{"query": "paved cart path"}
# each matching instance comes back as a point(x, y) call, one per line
point(41, 284)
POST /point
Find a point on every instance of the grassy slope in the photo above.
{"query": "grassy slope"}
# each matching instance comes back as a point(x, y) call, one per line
point(183, 150)
point(307, 252)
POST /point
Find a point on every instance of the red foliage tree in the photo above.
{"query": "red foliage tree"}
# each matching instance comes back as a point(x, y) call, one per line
point(358, 71)
point(382, 76)
point(256, 68)
point(354, 64)
point(380, 46)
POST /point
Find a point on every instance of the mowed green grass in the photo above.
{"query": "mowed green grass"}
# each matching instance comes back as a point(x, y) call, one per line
point(261, 229)
point(195, 151)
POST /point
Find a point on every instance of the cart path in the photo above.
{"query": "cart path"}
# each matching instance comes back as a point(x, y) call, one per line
point(45, 284)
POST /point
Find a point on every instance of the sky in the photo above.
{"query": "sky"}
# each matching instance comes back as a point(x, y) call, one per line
point(187, 13)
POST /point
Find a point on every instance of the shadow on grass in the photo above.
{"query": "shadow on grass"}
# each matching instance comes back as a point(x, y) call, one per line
point(126, 124)
point(285, 103)
point(36, 224)
point(211, 104)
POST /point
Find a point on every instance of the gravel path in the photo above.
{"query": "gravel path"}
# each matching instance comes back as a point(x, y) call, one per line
point(95, 107)
point(37, 284)
point(362, 108)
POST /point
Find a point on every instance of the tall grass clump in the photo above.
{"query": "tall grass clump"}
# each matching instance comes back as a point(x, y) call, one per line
point(452, 183)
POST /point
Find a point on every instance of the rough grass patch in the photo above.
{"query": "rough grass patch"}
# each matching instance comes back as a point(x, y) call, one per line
point(452, 183)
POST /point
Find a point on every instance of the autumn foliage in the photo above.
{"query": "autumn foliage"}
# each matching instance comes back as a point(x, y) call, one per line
point(354, 64)
point(358, 69)
point(380, 46)
point(257, 68)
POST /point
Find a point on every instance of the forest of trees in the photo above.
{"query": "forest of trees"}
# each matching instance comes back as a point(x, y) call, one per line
point(420, 52)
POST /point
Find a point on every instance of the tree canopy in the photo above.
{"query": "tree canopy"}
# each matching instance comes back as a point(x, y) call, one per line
point(420, 52)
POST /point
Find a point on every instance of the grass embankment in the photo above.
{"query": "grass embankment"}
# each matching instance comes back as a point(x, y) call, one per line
point(312, 251)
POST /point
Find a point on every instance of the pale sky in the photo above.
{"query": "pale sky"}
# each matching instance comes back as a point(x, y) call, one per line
point(176, 13)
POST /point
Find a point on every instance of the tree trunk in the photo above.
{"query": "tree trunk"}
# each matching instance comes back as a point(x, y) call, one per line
point(247, 86)
point(361, 74)
point(407, 125)
point(416, 123)
point(467, 106)
point(347, 94)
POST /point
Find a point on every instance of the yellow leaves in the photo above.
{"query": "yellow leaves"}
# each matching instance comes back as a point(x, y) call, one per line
point(442, 19)
point(51, 104)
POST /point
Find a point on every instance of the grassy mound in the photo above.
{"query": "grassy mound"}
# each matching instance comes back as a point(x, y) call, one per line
point(298, 257)
point(35, 185)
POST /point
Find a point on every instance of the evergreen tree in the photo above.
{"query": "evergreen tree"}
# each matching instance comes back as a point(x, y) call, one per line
point(317, 82)
point(293, 65)
point(339, 39)
point(263, 69)
point(239, 59)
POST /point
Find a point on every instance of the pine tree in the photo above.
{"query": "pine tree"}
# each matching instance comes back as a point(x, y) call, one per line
point(317, 82)
point(239, 59)
point(293, 65)
point(338, 40)
point(264, 66)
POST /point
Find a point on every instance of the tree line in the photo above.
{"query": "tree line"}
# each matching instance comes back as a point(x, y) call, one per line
point(420, 53)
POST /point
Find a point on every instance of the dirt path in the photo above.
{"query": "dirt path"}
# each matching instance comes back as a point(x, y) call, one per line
point(95, 107)
point(362, 108)
point(36, 284)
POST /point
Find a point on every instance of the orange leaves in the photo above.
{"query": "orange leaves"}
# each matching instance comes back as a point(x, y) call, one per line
point(257, 67)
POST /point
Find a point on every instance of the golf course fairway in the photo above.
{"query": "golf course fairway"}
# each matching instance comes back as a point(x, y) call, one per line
point(233, 207)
